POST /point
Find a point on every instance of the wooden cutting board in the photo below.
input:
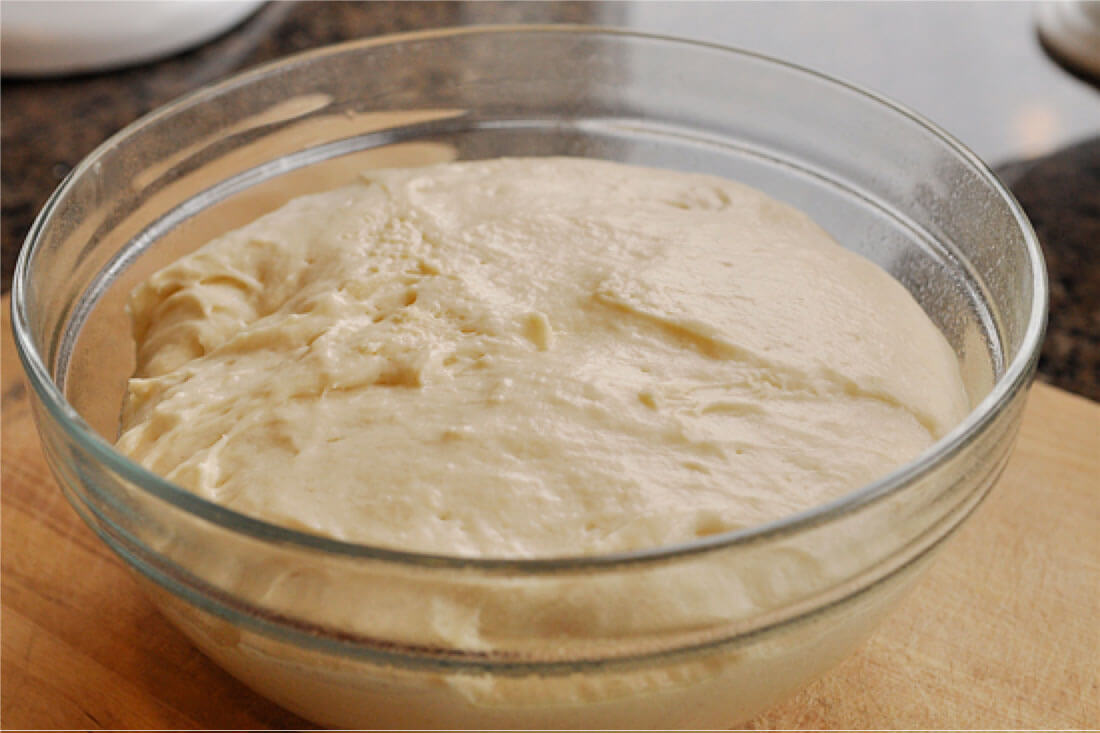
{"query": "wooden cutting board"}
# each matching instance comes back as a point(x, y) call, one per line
point(1002, 632)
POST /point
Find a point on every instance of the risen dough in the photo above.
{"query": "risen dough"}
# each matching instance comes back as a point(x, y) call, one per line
point(531, 357)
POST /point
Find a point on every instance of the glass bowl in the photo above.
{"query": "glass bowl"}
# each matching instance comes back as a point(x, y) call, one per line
point(701, 634)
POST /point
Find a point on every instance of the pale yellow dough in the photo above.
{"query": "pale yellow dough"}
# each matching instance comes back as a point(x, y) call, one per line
point(530, 358)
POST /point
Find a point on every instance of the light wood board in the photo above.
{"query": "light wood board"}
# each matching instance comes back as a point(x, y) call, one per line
point(1002, 632)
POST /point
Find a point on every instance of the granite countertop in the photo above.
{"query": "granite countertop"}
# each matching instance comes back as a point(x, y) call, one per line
point(1061, 195)
point(41, 143)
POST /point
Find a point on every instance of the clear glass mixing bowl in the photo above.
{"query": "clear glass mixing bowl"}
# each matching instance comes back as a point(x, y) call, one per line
point(703, 634)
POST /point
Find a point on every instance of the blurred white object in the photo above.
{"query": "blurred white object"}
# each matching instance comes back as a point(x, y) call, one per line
point(38, 38)
point(1071, 29)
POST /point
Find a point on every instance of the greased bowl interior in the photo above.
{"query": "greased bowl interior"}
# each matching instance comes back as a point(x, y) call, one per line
point(702, 634)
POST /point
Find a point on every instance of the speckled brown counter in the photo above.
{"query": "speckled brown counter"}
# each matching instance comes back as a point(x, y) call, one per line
point(50, 124)
point(1061, 195)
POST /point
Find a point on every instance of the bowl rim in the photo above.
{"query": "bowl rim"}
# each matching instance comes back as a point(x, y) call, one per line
point(1015, 377)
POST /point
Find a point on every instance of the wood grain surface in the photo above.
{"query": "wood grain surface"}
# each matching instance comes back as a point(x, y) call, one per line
point(1002, 632)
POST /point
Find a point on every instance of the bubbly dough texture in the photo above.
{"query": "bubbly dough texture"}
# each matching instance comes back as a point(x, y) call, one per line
point(531, 358)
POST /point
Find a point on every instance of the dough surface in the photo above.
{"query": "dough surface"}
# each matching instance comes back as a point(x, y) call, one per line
point(531, 358)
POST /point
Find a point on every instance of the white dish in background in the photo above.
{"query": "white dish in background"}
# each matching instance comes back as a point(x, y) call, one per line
point(1071, 29)
point(46, 38)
